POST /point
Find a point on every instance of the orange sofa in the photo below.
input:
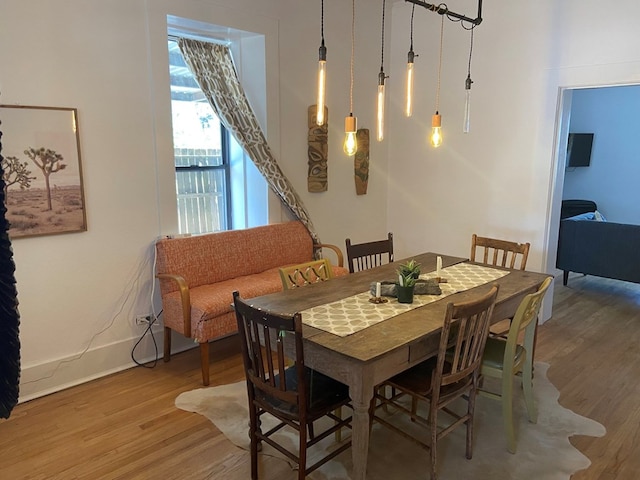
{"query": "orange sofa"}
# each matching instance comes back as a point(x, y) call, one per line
point(199, 274)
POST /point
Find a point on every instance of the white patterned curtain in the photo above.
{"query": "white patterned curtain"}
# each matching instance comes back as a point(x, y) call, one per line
point(213, 68)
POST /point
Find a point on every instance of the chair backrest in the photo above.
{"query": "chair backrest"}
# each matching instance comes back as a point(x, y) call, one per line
point(306, 273)
point(525, 319)
point(501, 253)
point(363, 256)
point(262, 337)
point(464, 336)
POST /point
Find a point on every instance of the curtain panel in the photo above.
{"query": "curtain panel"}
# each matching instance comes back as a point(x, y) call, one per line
point(213, 67)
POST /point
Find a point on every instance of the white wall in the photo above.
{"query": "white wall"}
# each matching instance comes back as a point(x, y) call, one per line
point(338, 213)
point(79, 293)
point(611, 180)
point(492, 181)
point(502, 178)
point(108, 59)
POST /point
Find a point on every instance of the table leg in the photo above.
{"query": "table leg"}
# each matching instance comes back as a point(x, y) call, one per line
point(360, 430)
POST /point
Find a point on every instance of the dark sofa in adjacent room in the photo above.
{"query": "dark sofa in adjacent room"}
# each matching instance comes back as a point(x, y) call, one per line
point(600, 248)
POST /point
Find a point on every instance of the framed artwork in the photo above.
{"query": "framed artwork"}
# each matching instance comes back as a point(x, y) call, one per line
point(42, 170)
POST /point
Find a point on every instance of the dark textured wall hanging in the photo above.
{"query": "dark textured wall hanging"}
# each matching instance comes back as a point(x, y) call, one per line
point(361, 161)
point(9, 318)
point(318, 139)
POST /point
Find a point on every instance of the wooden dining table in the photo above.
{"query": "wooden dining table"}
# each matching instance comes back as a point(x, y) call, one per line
point(364, 359)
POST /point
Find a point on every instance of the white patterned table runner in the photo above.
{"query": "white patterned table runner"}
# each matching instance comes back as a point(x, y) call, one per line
point(355, 313)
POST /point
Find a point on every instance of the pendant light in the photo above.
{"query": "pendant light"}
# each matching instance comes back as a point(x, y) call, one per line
point(351, 122)
point(381, 93)
point(466, 124)
point(436, 129)
point(436, 120)
point(322, 71)
point(408, 111)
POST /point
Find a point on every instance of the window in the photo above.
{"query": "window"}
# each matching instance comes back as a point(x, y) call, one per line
point(201, 153)
point(218, 187)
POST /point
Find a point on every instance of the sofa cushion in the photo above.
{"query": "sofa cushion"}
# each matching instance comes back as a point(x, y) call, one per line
point(211, 301)
point(599, 217)
point(216, 257)
point(583, 216)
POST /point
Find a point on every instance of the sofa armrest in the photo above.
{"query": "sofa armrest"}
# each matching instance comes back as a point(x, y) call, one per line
point(185, 299)
point(604, 249)
point(335, 249)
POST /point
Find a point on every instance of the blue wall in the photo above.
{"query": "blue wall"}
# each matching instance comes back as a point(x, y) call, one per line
point(613, 178)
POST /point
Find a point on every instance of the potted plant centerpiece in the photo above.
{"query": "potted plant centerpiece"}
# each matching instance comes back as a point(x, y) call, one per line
point(408, 274)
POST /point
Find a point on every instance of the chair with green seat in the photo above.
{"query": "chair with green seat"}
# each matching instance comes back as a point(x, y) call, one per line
point(501, 253)
point(495, 252)
point(505, 359)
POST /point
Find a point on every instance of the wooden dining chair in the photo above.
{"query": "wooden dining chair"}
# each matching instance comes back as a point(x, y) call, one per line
point(295, 395)
point(306, 273)
point(453, 374)
point(363, 256)
point(506, 359)
point(502, 253)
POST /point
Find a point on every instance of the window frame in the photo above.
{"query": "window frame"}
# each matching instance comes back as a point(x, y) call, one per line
point(225, 167)
point(252, 202)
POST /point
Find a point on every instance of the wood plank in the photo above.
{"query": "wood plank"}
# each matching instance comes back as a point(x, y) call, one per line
point(591, 343)
point(361, 161)
point(318, 151)
point(384, 337)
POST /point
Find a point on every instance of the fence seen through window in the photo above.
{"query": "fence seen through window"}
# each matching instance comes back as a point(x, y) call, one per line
point(200, 152)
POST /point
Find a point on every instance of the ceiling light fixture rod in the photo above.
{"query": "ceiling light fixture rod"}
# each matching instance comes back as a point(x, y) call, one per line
point(443, 10)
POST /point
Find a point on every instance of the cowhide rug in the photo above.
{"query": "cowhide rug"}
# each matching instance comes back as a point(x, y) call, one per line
point(544, 451)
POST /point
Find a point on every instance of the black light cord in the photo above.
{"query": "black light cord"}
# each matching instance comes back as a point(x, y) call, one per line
point(470, 53)
point(149, 329)
point(440, 63)
point(443, 10)
point(322, 21)
point(413, 9)
point(382, 42)
point(353, 40)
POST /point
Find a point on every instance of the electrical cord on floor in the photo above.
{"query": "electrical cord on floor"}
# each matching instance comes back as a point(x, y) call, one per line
point(155, 317)
point(149, 329)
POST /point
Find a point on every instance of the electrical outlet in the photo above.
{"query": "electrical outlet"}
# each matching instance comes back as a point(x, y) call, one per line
point(144, 319)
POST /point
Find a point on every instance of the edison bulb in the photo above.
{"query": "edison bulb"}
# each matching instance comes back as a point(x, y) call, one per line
point(409, 100)
point(322, 75)
point(380, 114)
point(436, 136)
point(436, 130)
point(466, 125)
point(350, 142)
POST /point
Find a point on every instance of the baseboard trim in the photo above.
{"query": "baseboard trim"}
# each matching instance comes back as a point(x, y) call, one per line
point(56, 375)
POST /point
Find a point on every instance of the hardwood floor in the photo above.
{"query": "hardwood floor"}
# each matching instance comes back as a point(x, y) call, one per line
point(591, 343)
point(126, 426)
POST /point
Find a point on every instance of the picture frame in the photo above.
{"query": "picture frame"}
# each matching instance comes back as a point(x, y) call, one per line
point(41, 166)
